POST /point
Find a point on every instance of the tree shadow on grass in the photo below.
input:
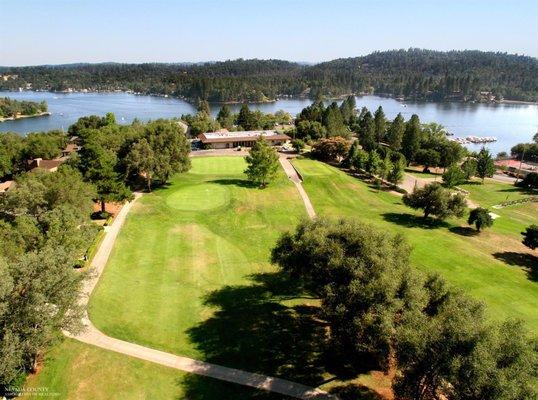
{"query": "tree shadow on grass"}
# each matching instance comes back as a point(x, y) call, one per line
point(354, 391)
point(235, 182)
point(196, 387)
point(414, 221)
point(527, 261)
point(265, 327)
point(463, 231)
point(474, 183)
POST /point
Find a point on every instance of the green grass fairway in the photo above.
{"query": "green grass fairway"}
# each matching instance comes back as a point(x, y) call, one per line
point(206, 230)
point(77, 371)
point(487, 266)
point(512, 219)
point(215, 166)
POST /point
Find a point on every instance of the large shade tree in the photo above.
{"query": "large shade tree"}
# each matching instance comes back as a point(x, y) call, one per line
point(44, 229)
point(161, 151)
point(362, 276)
point(435, 200)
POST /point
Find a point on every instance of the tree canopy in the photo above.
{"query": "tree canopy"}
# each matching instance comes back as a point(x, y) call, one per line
point(262, 162)
point(382, 312)
point(436, 200)
point(481, 218)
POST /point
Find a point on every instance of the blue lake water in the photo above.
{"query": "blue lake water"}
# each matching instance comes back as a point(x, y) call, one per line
point(510, 123)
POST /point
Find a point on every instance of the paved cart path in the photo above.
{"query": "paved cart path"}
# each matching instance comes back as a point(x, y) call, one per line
point(91, 335)
point(296, 179)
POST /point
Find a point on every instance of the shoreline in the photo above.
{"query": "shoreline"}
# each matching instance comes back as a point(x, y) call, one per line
point(520, 102)
point(43, 114)
point(284, 97)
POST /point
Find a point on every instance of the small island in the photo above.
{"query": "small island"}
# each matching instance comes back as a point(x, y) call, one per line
point(14, 109)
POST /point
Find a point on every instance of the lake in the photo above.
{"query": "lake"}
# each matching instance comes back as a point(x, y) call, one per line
point(510, 123)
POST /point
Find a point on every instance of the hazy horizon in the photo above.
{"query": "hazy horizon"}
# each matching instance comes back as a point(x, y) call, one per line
point(164, 31)
point(233, 59)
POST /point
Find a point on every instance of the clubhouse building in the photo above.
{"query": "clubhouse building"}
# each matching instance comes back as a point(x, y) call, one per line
point(223, 139)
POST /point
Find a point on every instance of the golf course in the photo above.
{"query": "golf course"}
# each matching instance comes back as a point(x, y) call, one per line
point(190, 274)
point(484, 265)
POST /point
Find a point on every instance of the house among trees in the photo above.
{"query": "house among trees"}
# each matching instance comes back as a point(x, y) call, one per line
point(5, 186)
point(70, 149)
point(223, 139)
point(48, 165)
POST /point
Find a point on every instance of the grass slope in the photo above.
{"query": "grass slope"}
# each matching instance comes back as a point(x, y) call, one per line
point(486, 265)
point(208, 229)
point(513, 219)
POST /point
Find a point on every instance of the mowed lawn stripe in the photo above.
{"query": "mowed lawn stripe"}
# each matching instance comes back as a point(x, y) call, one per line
point(178, 246)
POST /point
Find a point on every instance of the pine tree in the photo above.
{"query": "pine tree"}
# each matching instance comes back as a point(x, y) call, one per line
point(411, 138)
point(367, 132)
point(485, 168)
point(395, 132)
point(396, 173)
point(203, 107)
point(380, 124)
point(373, 164)
point(262, 163)
point(246, 119)
point(225, 117)
point(334, 121)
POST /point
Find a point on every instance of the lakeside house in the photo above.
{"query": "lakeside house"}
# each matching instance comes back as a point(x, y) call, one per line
point(70, 149)
point(223, 139)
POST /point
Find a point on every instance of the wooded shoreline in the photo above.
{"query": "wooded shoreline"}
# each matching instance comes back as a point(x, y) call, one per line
point(42, 114)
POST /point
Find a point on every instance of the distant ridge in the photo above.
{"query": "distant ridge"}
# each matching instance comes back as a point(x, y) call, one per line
point(466, 75)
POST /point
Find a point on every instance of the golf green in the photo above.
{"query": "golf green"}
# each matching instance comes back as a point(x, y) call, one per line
point(204, 196)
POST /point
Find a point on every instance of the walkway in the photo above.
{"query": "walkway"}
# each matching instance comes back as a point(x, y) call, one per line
point(296, 179)
point(410, 181)
point(91, 335)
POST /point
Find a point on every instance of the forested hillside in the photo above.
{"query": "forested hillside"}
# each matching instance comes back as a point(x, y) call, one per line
point(414, 73)
point(432, 74)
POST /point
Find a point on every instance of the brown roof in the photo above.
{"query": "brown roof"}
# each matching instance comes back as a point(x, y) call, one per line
point(228, 139)
point(5, 186)
point(70, 148)
point(45, 164)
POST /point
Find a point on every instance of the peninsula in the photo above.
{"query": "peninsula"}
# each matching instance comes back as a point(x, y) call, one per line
point(14, 109)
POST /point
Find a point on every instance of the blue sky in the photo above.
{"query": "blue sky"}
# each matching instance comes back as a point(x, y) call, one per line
point(61, 31)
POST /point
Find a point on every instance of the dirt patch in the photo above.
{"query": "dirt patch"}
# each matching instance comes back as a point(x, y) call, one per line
point(382, 384)
point(113, 208)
